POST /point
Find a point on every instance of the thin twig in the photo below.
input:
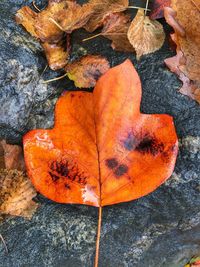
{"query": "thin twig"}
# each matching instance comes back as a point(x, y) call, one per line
point(44, 70)
point(55, 79)
point(146, 8)
point(57, 24)
point(35, 6)
point(4, 243)
point(98, 238)
point(137, 7)
point(92, 37)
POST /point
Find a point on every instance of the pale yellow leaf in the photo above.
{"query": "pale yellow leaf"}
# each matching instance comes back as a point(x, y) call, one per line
point(145, 35)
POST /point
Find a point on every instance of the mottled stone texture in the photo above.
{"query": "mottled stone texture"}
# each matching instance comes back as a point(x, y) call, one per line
point(161, 229)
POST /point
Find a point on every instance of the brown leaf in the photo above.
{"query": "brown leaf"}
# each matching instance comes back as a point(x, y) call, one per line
point(115, 29)
point(16, 193)
point(101, 9)
point(74, 17)
point(13, 156)
point(27, 17)
point(185, 22)
point(56, 54)
point(157, 8)
point(86, 71)
point(46, 30)
point(145, 35)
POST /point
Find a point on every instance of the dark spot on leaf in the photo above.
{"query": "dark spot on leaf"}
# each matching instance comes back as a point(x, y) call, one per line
point(130, 142)
point(72, 95)
point(111, 163)
point(121, 170)
point(150, 145)
point(69, 171)
point(54, 177)
point(67, 186)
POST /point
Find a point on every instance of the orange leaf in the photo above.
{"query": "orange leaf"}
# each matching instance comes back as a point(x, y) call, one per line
point(102, 150)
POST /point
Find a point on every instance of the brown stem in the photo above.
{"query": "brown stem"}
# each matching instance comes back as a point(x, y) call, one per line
point(146, 8)
point(57, 24)
point(4, 243)
point(35, 6)
point(55, 79)
point(92, 37)
point(137, 7)
point(98, 237)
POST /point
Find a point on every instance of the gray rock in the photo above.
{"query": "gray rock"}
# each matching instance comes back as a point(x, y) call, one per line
point(161, 229)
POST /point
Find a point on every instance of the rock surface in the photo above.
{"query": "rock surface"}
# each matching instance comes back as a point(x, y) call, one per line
point(161, 229)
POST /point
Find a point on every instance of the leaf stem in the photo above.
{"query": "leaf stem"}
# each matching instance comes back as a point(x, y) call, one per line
point(57, 24)
point(137, 7)
point(4, 243)
point(92, 37)
point(35, 6)
point(146, 8)
point(98, 238)
point(55, 79)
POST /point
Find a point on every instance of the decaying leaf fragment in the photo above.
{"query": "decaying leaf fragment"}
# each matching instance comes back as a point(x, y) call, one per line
point(102, 149)
point(185, 19)
point(56, 54)
point(115, 29)
point(27, 17)
point(145, 35)
point(12, 156)
point(101, 9)
point(16, 193)
point(157, 8)
point(86, 71)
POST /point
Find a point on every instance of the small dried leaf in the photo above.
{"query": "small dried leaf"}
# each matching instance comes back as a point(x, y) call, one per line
point(145, 35)
point(86, 71)
point(115, 29)
point(157, 9)
point(13, 156)
point(57, 55)
point(27, 18)
point(16, 193)
point(101, 9)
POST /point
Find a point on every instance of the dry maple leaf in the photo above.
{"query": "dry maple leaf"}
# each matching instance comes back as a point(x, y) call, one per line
point(12, 156)
point(102, 150)
point(101, 9)
point(16, 193)
point(86, 71)
point(186, 64)
point(145, 35)
point(157, 8)
point(115, 29)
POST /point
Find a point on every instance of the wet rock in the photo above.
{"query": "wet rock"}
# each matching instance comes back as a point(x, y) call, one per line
point(161, 229)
